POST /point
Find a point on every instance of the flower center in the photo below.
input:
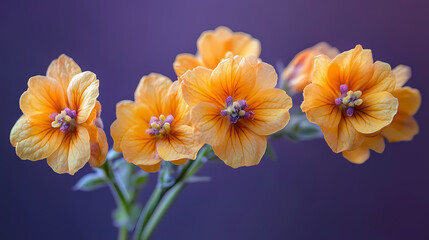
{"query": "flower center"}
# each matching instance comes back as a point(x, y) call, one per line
point(236, 110)
point(63, 120)
point(160, 126)
point(349, 99)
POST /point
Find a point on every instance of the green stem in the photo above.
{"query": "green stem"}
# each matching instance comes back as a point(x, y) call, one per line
point(119, 196)
point(163, 197)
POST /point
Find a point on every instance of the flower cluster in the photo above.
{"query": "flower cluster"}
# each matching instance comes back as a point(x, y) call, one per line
point(226, 97)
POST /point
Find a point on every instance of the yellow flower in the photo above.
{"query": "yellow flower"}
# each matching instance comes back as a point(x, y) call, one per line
point(235, 106)
point(403, 127)
point(60, 119)
point(155, 127)
point(297, 74)
point(215, 45)
point(350, 98)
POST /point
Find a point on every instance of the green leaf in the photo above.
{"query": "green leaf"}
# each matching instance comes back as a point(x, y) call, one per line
point(140, 178)
point(90, 182)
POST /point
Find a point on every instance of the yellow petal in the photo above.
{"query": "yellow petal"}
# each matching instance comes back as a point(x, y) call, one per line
point(63, 69)
point(382, 80)
point(210, 126)
point(242, 44)
point(44, 96)
point(342, 137)
point(361, 154)
point(354, 68)
point(151, 89)
point(376, 112)
point(73, 152)
point(212, 48)
point(180, 162)
point(409, 100)
point(151, 167)
point(241, 147)
point(266, 76)
point(82, 94)
point(174, 104)
point(180, 143)
point(99, 149)
point(197, 86)
point(185, 62)
point(235, 77)
point(358, 156)
point(403, 128)
point(271, 108)
point(320, 75)
point(139, 147)
point(319, 105)
point(34, 137)
point(402, 74)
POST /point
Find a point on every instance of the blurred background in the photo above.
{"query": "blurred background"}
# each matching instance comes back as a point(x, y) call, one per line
point(308, 193)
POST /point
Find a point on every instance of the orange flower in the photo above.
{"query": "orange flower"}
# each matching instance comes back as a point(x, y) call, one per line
point(61, 119)
point(403, 127)
point(350, 98)
point(154, 127)
point(297, 74)
point(235, 106)
point(215, 45)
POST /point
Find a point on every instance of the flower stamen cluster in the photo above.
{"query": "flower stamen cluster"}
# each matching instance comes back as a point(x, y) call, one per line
point(63, 120)
point(236, 110)
point(349, 99)
point(160, 126)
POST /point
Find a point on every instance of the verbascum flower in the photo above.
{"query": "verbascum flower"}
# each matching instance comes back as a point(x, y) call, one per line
point(215, 45)
point(60, 119)
point(235, 106)
point(156, 126)
point(350, 98)
point(297, 74)
point(403, 127)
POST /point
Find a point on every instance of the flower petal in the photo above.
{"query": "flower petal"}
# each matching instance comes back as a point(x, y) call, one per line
point(271, 108)
point(211, 46)
point(241, 147)
point(320, 76)
point(382, 80)
point(402, 74)
point(266, 76)
point(197, 86)
point(376, 112)
point(180, 162)
point(128, 114)
point(151, 89)
point(99, 149)
point(34, 137)
point(354, 68)
point(342, 137)
point(235, 77)
point(82, 94)
point(63, 69)
point(180, 143)
point(139, 147)
point(174, 104)
point(152, 168)
point(185, 62)
point(73, 153)
point(361, 154)
point(210, 126)
point(403, 128)
point(409, 100)
point(44, 96)
point(319, 106)
point(244, 45)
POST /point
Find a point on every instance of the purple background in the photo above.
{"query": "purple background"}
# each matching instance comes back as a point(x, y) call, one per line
point(309, 193)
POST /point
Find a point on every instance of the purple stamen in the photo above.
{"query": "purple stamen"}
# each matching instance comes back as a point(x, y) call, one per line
point(53, 115)
point(223, 113)
point(338, 101)
point(229, 101)
point(350, 111)
point(243, 104)
point(169, 119)
point(64, 127)
point(344, 89)
point(153, 119)
point(150, 131)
